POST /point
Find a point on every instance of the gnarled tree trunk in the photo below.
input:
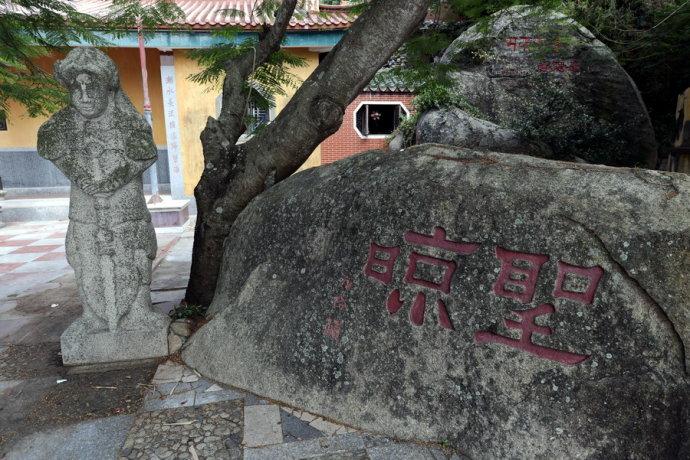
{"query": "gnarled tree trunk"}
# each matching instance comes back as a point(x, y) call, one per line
point(235, 174)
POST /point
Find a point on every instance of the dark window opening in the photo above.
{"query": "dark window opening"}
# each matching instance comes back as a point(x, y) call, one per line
point(379, 119)
point(3, 124)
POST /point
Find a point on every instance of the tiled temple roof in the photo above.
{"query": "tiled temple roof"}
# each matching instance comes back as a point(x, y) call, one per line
point(210, 14)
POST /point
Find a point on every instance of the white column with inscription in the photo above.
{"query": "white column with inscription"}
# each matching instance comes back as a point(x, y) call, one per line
point(172, 132)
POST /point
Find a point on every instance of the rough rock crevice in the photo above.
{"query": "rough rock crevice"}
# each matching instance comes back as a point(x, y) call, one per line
point(661, 314)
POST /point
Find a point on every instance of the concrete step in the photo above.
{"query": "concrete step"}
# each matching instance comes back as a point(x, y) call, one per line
point(167, 213)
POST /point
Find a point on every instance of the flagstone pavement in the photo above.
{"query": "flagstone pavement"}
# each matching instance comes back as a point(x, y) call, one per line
point(167, 411)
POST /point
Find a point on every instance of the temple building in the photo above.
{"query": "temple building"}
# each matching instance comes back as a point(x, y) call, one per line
point(180, 107)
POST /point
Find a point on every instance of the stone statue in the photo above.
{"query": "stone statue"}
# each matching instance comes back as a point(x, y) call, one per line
point(103, 145)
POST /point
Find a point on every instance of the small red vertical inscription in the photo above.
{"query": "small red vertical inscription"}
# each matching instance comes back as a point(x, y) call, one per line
point(346, 283)
point(591, 275)
point(340, 302)
point(332, 328)
point(528, 326)
point(380, 262)
point(518, 274)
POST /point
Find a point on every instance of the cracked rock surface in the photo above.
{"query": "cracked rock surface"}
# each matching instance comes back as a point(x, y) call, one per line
point(499, 304)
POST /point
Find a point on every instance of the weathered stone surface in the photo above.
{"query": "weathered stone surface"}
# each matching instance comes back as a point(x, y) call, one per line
point(454, 126)
point(174, 343)
point(103, 145)
point(543, 71)
point(304, 315)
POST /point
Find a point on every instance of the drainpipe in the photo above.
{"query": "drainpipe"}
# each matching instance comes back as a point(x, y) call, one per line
point(155, 197)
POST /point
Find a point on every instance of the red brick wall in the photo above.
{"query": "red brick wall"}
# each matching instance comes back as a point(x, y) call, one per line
point(346, 142)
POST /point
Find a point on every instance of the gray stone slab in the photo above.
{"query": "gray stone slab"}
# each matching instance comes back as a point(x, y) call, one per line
point(167, 296)
point(262, 426)
point(168, 372)
point(95, 439)
point(295, 429)
point(185, 399)
point(343, 444)
point(359, 454)
point(203, 397)
point(252, 400)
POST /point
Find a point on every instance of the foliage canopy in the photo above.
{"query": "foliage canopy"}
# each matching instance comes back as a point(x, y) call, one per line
point(31, 30)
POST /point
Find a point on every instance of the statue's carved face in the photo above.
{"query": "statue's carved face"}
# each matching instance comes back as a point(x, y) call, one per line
point(88, 95)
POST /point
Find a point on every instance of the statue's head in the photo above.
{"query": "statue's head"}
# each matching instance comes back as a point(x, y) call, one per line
point(91, 78)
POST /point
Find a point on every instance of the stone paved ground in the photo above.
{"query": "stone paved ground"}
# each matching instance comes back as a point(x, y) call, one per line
point(152, 411)
point(38, 300)
point(185, 416)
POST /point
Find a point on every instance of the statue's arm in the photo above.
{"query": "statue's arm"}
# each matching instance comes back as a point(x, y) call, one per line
point(140, 153)
point(52, 145)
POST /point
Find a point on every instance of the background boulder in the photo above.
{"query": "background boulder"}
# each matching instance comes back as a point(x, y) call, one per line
point(506, 305)
point(454, 126)
point(547, 78)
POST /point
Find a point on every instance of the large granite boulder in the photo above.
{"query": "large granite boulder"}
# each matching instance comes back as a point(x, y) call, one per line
point(548, 78)
point(507, 305)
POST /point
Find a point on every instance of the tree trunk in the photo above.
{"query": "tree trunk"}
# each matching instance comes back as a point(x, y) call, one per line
point(235, 174)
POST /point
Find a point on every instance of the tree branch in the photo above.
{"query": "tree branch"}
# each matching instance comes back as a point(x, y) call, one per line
point(317, 108)
point(237, 71)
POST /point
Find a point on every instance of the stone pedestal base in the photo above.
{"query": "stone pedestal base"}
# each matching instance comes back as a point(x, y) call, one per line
point(79, 347)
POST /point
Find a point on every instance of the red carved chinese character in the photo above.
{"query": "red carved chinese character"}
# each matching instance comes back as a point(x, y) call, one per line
point(394, 303)
point(448, 267)
point(559, 66)
point(511, 42)
point(524, 42)
point(574, 66)
point(544, 67)
point(340, 303)
point(519, 273)
point(591, 274)
point(380, 262)
point(438, 240)
point(528, 326)
point(381, 269)
point(332, 328)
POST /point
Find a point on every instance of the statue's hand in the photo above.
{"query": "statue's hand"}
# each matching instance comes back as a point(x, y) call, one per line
point(104, 187)
point(89, 186)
